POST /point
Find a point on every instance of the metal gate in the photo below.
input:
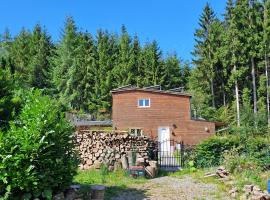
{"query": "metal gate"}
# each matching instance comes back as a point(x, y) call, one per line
point(170, 155)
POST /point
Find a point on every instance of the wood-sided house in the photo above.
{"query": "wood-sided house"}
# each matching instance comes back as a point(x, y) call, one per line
point(160, 114)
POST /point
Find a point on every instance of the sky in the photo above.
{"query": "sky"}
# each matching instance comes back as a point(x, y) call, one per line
point(171, 23)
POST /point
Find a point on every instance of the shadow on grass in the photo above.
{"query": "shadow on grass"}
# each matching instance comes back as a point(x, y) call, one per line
point(123, 192)
point(118, 192)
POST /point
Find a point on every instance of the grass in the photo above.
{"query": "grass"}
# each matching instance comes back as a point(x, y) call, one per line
point(115, 182)
point(119, 181)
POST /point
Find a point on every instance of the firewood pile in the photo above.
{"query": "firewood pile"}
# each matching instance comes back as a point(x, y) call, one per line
point(110, 148)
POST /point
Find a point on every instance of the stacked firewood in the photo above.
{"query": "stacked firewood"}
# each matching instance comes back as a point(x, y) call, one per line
point(97, 147)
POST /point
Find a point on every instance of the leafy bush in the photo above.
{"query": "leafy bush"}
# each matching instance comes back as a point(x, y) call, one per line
point(235, 149)
point(209, 152)
point(237, 162)
point(37, 154)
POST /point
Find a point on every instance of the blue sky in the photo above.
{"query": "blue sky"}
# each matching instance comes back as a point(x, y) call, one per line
point(171, 22)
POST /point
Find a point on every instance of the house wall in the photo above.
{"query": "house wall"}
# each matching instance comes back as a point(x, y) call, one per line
point(166, 110)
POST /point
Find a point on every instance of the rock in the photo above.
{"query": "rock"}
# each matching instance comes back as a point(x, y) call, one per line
point(248, 189)
point(110, 168)
point(256, 188)
point(233, 192)
point(59, 196)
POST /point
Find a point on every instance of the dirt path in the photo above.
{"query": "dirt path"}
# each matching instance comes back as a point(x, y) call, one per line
point(170, 188)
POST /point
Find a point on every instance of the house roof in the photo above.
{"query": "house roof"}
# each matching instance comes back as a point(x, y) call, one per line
point(152, 89)
point(92, 123)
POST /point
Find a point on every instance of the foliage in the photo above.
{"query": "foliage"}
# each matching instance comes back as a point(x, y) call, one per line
point(209, 152)
point(236, 152)
point(37, 154)
point(9, 105)
point(80, 69)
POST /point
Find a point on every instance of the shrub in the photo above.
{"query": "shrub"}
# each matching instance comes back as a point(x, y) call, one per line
point(237, 162)
point(209, 152)
point(37, 154)
point(235, 149)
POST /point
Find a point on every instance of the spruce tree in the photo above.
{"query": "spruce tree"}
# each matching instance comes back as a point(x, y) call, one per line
point(64, 59)
point(152, 65)
point(122, 72)
point(41, 46)
point(203, 52)
point(172, 72)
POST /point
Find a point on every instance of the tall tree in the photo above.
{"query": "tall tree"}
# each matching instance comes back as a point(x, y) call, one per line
point(122, 72)
point(203, 51)
point(20, 54)
point(152, 65)
point(41, 46)
point(172, 72)
point(266, 45)
point(63, 58)
point(254, 31)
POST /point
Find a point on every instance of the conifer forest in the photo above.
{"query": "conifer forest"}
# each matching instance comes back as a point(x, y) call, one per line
point(228, 75)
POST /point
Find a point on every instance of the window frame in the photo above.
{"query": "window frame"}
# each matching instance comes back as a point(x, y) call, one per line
point(136, 132)
point(144, 101)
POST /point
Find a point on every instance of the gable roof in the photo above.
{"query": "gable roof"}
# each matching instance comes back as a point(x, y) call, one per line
point(152, 89)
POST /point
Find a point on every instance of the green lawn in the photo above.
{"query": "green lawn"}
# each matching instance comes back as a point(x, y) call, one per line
point(114, 181)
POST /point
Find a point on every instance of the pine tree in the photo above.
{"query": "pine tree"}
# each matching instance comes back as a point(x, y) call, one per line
point(203, 53)
point(254, 31)
point(266, 45)
point(20, 54)
point(41, 46)
point(185, 74)
point(172, 72)
point(122, 72)
point(106, 60)
point(63, 59)
point(235, 44)
point(135, 60)
point(152, 65)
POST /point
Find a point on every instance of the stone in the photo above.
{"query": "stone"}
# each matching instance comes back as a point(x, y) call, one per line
point(248, 189)
point(110, 168)
point(59, 196)
point(233, 192)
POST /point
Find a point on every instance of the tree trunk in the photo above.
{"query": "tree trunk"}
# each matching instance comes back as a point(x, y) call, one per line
point(267, 87)
point(212, 93)
point(237, 99)
point(223, 94)
point(254, 86)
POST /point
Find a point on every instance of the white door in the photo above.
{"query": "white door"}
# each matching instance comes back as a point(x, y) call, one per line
point(164, 139)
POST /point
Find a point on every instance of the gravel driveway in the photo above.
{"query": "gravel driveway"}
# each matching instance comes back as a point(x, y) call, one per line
point(170, 188)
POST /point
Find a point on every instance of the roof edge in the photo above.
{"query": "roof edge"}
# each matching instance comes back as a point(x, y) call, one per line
point(128, 89)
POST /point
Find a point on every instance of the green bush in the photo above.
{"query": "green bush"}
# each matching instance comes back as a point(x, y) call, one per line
point(37, 154)
point(209, 152)
point(247, 150)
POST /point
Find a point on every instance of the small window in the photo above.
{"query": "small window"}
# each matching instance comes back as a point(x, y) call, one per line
point(143, 103)
point(136, 132)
